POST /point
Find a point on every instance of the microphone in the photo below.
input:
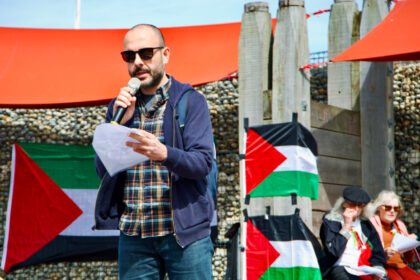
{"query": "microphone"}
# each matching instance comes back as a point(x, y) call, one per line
point(134, 85)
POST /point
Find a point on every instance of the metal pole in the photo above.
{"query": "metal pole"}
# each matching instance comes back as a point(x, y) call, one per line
point(77, 18)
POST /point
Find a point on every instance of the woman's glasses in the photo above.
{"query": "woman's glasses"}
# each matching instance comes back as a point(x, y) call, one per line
point(389, 208)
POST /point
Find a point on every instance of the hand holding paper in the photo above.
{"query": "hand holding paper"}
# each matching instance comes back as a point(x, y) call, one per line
point(109, 142)
point(148, 145)
point(403, 243)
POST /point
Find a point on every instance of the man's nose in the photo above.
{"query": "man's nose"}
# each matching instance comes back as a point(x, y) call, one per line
point(138, 60)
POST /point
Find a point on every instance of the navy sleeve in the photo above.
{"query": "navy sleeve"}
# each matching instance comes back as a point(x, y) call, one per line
point(100, 168)
point(195, 160)
point(333, 241)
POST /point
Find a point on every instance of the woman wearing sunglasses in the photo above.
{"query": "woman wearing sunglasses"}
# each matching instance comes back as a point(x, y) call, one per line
point(387, 209)
point(349, 239)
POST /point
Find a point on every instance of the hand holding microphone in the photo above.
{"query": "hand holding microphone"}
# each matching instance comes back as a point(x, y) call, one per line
point(126, 101)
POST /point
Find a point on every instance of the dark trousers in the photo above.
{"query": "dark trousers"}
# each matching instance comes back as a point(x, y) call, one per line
point(339, 273)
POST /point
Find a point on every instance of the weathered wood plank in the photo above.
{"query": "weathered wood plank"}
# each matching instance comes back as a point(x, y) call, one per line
point(336, 144)
point(339, 171)
point(376, 111)
point(254, 68)
point(327, 196)
point(335, 119)
point(291, 86)
point(254, 55)
point(343, 77)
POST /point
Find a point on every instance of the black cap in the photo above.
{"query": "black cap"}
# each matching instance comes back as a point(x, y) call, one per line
point(356, 195)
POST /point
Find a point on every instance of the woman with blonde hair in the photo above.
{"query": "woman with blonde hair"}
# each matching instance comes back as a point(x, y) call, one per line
point(387, 209)
point(350, 241)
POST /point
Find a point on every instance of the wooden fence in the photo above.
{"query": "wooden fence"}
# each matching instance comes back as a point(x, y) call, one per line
point(354, 131)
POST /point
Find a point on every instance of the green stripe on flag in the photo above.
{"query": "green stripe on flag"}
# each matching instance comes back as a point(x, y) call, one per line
point(293, 273)
point(69, 166)
point(286, 182)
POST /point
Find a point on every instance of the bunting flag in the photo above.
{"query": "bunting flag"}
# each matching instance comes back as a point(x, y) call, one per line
point(317, 13)
point(281, 247)
point(50, 212)
point(313, 65)
point(280, 159)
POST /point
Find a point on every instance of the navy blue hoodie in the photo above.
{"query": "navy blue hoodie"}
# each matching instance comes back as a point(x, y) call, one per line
point(189, 161)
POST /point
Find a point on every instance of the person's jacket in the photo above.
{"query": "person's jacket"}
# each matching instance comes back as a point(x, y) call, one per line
point(376, 222)
point(189, 161)
point(334, 239)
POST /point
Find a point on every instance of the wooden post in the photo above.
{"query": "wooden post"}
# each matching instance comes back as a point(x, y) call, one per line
point(376, 111)
point(254, 79)
point(343, 77)
point(254, 63)
point(291, 86)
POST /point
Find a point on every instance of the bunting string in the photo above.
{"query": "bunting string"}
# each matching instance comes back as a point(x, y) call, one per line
point(317, 13)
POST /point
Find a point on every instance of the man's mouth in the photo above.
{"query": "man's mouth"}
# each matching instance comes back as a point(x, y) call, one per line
point(140, 72)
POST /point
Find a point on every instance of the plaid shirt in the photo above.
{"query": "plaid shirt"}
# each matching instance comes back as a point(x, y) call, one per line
point(147, 191)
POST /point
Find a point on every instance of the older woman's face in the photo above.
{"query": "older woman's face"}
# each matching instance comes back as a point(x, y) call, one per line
point(389, 210)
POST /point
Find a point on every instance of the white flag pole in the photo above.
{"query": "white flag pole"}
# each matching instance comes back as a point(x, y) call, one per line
point(77, 18)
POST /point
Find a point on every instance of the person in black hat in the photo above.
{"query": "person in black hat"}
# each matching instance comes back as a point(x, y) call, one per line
point(350, 240)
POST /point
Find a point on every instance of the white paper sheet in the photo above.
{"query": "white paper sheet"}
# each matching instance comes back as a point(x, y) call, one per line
point(109, 143)
point(403, 243)
point(365, 270)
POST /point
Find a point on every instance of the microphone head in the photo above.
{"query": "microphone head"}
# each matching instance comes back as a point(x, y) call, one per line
point(134, 84)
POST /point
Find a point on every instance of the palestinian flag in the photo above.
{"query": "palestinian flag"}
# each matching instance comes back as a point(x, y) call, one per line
point(281, 247)
point(50, 213)
point(280, 159)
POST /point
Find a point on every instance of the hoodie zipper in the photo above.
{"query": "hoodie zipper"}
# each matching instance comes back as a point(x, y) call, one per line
point(171, 178)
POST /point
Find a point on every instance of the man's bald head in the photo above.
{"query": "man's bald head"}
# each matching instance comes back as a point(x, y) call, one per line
point(154, 29)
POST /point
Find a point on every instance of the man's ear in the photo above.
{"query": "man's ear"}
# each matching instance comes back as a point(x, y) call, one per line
point(166, 54)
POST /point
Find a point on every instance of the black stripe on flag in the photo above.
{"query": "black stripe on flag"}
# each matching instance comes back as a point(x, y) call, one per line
point(287, 134)
point(75, 248)
point(279, 228)
point(288, 228)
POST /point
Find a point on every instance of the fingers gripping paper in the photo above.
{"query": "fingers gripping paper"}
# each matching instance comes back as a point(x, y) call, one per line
point(109, 143)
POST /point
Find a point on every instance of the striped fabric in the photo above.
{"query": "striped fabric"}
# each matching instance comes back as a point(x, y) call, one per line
point(280, 248)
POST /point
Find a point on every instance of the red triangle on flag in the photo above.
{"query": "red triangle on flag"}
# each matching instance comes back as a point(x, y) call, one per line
point(261, 159)
point(260, 254)
point(39, 210)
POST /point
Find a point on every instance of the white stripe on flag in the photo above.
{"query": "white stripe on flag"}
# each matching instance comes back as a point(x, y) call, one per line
point(9, 208)
point(298, 159)
point(296, 253)
point(85, 199)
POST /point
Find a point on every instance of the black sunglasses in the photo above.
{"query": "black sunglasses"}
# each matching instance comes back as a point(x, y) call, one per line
point(145, 54)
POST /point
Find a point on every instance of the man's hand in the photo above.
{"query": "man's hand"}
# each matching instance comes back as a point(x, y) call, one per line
point(149, 145)
point(125, 100)
point(389, 252)
point(412, 236)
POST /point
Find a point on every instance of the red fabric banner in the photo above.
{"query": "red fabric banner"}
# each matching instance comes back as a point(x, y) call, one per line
point(393, 39)
point(46, 68)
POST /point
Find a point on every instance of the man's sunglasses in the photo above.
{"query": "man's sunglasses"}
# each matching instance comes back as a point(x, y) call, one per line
point(145, 54)
point(389, 208)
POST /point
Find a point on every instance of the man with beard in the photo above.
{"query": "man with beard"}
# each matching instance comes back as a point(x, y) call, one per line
point(162, 206)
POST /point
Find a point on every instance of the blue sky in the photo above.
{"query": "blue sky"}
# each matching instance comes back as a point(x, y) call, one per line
point(98, 14)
